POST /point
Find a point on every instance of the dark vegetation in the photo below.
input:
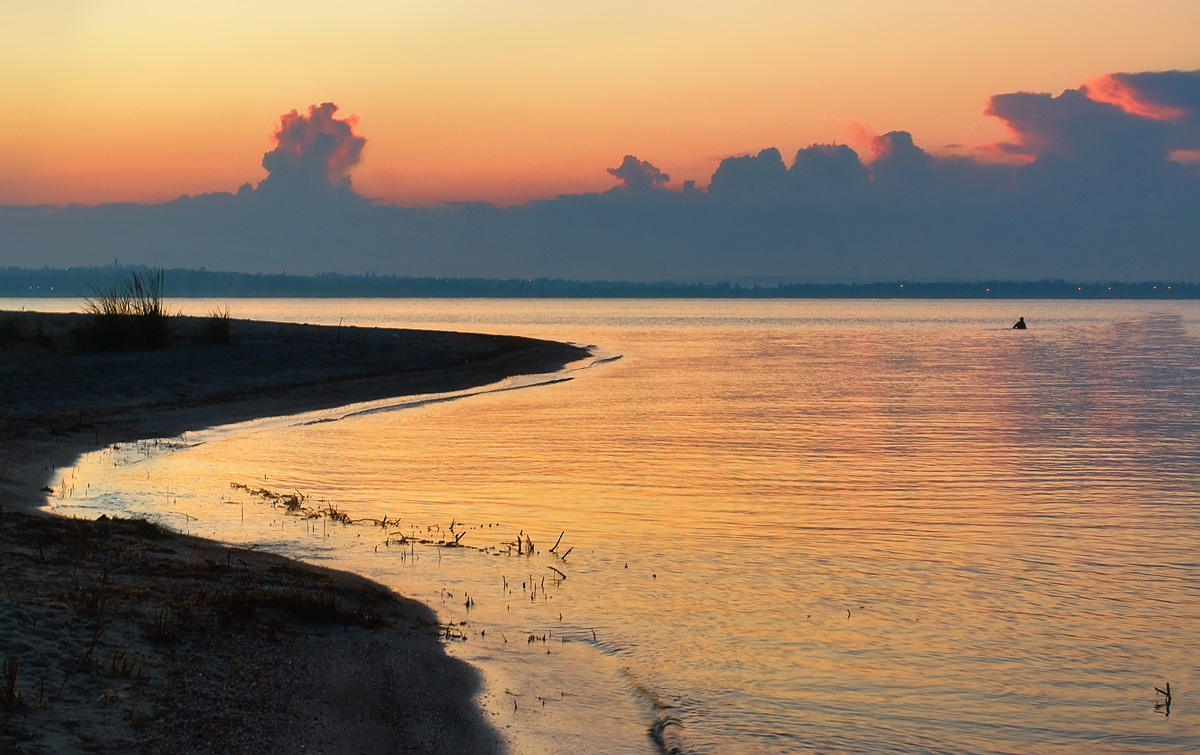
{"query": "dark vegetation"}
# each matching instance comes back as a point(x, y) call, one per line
point(20, 282)
point(18, 331)
point(11, 330)
point(128, 317)
point(215, 328)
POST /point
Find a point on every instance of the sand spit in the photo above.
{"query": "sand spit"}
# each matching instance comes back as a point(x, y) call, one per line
point(118, 636)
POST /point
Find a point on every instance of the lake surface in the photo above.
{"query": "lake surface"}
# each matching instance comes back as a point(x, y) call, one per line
point(795, 526)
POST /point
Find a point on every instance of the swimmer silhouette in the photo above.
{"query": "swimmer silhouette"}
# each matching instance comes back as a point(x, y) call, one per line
point(1020, 324)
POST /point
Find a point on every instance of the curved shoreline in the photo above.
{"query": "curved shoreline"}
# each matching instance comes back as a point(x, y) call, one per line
point(201, 647)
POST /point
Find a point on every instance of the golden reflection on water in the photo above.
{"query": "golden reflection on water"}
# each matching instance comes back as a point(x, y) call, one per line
point(831, 527)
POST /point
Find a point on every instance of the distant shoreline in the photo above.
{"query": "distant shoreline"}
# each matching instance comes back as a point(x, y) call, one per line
point(168, 643)
point(190, 283)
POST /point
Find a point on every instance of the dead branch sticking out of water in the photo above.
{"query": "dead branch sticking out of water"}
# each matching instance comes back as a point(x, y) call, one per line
point(401, 538)
point(453, 632)
point(331, 512)
point(1165, 706)
point(294, 504)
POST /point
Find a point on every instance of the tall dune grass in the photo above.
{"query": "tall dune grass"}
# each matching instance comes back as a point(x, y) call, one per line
point(130, 317)
point(214, 329)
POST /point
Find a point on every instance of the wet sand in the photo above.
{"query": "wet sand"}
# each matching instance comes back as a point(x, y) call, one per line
point(123, 637)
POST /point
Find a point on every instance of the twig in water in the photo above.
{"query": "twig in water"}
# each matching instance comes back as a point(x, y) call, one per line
point(1165, 705)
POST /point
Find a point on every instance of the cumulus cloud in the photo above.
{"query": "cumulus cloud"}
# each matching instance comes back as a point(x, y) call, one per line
point(1117, 119)
point(313, 150)
point(1119, 89)
point(1172, 96)
point(1073, 126)
point(639, 175)
point(827, 171)
point(750, 177)
point(819, 172)
point(899, 161)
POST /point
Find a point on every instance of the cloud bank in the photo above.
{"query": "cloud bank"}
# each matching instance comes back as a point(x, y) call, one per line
point(1092, 183)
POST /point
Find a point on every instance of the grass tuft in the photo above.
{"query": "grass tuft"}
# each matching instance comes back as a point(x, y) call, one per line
point(160, 630)
point(215, 328)
point(121, 665)
point(132, 317)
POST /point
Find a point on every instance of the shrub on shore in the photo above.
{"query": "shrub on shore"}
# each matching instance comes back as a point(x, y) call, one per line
point(129, 317)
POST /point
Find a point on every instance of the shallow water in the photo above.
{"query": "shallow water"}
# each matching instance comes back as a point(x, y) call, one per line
point(797, 526)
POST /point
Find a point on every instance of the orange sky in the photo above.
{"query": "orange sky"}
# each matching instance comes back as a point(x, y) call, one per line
point(467, 99)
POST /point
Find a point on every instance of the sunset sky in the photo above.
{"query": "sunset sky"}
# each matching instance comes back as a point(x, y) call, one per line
point(144, 101)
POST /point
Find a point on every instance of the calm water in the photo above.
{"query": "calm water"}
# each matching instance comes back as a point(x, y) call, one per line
point(812, 526)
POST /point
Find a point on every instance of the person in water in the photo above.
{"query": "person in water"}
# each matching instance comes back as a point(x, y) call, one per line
point(1020, 324)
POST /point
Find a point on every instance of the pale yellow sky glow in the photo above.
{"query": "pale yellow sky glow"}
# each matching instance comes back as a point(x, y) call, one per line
point(143, 101)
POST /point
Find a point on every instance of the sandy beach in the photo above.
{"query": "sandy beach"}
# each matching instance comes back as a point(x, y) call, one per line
point(120, 636)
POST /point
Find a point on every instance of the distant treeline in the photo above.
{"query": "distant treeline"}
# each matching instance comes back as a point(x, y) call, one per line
point(182, 282)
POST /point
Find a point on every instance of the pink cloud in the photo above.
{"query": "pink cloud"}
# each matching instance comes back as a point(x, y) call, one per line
point(316, 147)
point(1115, 89)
